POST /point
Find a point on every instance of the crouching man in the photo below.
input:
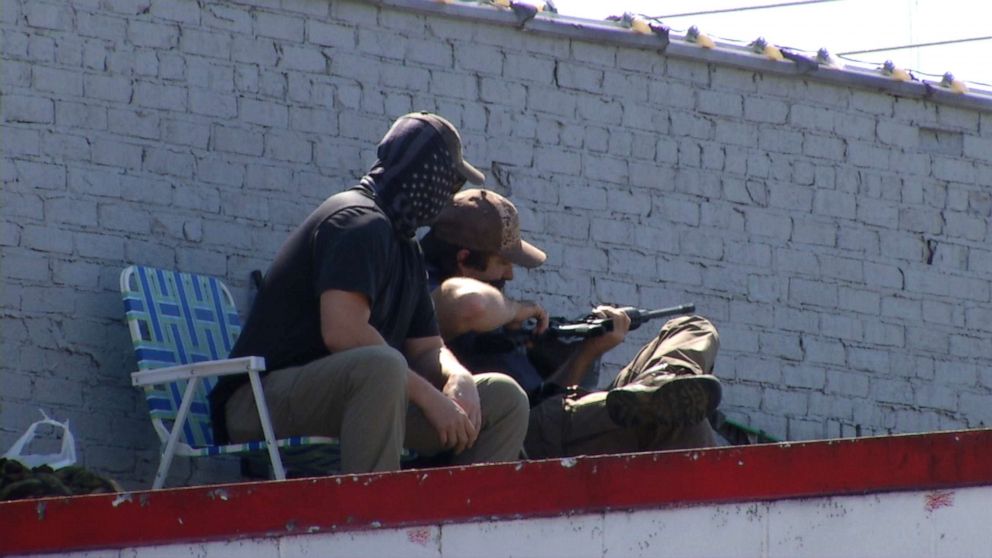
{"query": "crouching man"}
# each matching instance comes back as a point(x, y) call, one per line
point(346, 324)
point(660, 400)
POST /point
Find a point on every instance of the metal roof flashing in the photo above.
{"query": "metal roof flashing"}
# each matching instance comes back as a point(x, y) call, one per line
point(677, 46)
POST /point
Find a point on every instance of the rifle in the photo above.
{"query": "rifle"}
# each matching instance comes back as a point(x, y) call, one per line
point(591, 326)
point(549, 350)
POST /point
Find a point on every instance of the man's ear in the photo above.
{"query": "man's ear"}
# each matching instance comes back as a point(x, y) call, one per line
point(460, 257)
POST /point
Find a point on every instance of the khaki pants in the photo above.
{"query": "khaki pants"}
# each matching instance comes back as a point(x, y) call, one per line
point(360, 396)
point(577, 423)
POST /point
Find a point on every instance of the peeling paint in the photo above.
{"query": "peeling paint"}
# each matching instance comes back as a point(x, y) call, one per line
point(42, 508)
point(420, 535)
point(569, 462)
point(375, 524)
point(219, 494)
point(753, 512)
point(121, 498)
point(939, 499)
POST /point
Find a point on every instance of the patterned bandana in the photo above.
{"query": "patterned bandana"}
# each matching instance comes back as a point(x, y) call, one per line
point(415, 177)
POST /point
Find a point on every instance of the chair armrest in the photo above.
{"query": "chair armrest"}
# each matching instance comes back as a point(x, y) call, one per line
point(209, 368)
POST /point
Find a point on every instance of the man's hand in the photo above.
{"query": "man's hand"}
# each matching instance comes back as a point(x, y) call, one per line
point(610, 339)
point(445, 391)
point(461, 388)
point(573, 370)
point(453, 425)
point(524, 310)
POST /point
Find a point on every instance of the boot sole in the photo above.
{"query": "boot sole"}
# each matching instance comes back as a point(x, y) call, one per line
point(681, 401)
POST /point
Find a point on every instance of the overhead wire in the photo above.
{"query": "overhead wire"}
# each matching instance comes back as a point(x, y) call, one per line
point(795, 3)
point(848, 55)
point(660, 20)
point(798, 3)
point(915, 45)
point(748, 8)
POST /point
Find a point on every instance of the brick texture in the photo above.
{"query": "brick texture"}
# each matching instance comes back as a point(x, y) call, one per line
point(837, 236)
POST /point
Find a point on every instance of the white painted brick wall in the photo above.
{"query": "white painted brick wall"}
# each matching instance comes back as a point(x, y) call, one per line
point(837, 236)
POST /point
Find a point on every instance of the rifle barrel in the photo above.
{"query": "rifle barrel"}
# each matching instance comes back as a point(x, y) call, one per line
point(674, 310)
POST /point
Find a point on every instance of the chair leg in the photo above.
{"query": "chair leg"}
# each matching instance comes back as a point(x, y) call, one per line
point(177, 429)
point(163, 469)
point(263, 416)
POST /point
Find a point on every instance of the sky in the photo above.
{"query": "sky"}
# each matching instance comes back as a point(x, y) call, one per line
point(841, 26)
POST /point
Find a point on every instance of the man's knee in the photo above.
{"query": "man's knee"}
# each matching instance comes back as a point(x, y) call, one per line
point(500, 394)
point(693, 322)
point(704, 326)
point(379, 367)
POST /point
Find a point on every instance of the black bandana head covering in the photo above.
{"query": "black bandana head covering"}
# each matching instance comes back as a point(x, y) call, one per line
point(419, 169)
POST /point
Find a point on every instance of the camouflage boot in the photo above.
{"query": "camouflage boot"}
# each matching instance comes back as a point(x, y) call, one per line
point(664, 399)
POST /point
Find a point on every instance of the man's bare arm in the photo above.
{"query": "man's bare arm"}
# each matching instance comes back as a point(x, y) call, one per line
point(572, 371)
point(344, 324)
point(464, 304)
point(344, 321)
point(434, 363)
point(432, 360)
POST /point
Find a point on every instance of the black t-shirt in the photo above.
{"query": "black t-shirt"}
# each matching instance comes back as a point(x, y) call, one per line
point(346, 244)
point(492, 351)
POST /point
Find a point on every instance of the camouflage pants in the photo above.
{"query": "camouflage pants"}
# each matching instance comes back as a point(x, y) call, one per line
point(577, 422)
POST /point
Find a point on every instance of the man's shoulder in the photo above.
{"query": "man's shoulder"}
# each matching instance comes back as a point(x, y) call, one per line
point(458, 283)
point(351, 209)
point(353, 200)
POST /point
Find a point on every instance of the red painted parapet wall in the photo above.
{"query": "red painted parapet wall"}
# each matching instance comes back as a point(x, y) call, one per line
point(486, 492)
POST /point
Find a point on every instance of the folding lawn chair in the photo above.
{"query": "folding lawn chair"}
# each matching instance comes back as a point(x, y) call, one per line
point(183, 327)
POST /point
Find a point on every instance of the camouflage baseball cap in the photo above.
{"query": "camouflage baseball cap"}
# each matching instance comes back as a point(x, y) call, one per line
point(486, 221)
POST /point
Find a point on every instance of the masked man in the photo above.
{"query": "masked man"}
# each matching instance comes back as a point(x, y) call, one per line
point(345, 322)
point(660, 400)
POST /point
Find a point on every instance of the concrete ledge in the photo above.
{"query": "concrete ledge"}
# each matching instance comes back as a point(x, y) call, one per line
point(534, 489)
